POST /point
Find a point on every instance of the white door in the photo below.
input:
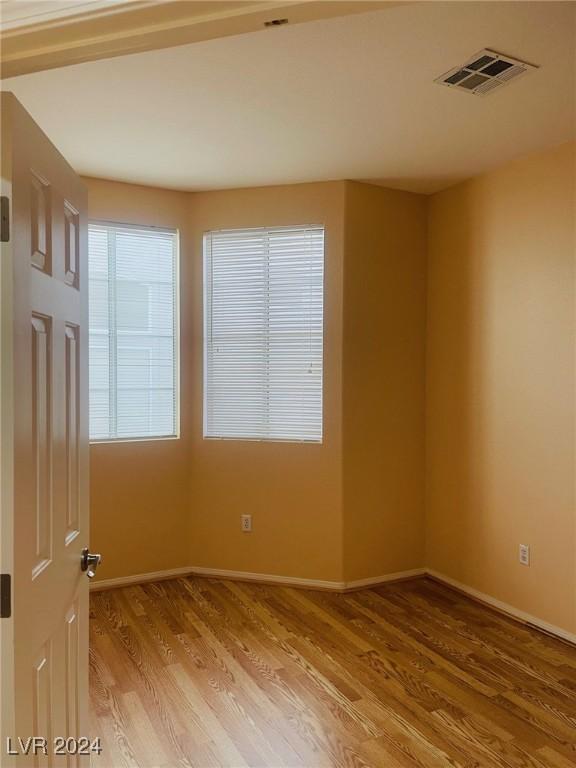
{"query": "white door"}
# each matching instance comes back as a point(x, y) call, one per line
point(43, 447)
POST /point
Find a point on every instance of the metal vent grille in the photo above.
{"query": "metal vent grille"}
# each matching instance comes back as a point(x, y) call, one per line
point(484, 73)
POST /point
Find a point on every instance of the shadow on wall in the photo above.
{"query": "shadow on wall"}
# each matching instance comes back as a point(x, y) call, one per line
point(500, 385)
point(453, 382)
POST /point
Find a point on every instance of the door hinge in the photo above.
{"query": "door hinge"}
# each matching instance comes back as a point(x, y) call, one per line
point(5, 595)
point(4, 219)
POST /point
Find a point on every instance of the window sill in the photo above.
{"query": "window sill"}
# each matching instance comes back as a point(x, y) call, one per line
point(287, 440)
point(113, 441)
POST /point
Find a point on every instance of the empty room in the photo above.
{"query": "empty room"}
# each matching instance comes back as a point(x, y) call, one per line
point(287, 384)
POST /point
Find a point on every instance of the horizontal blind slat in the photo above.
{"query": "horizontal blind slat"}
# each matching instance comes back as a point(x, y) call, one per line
point(133, 334)
point(263, 352)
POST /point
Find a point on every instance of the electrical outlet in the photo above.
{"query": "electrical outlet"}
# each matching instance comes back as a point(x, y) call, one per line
point(246, 523)
point(524, 554)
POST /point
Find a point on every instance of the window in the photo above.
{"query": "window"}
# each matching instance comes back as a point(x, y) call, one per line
point(133, 332)
point(263, 333)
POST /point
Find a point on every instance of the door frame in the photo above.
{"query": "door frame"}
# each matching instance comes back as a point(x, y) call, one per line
point(7, 723)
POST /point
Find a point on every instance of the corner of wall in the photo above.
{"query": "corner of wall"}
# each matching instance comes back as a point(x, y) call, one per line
point(383, 381)
point(500, 384)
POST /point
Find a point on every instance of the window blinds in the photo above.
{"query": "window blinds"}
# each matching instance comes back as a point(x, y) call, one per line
point(133, 336)
point(263, 333)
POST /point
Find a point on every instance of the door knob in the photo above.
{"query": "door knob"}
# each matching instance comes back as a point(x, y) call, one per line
point(89, 562)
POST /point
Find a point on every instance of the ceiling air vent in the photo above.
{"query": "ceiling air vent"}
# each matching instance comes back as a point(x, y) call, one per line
point(484, 73)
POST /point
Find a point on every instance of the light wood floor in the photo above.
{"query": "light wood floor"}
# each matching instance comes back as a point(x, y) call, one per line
point(197, 672)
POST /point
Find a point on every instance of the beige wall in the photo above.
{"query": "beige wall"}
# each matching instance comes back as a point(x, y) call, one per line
point(497, 341)
point(500, 385)
point(165, 504)
point(383, 395)
point(139, 490)
point(293, 491)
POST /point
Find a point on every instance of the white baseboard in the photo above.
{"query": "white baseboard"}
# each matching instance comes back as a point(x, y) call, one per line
point(268, 578)
point(294, 581)
point(373, 581)
point(515, 613)
point(139, 578)
point(262, 578)
point(335, 586)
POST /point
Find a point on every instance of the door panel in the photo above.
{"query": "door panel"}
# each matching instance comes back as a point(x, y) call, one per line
point(42, 441)
point(71, 660)
point(41, 685)
point(72, 446)
point(44, 386)
point(40, 222)
point(71, 244)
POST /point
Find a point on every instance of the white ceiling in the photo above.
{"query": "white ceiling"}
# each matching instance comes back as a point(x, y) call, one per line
point(350, 97)
point(20, 13)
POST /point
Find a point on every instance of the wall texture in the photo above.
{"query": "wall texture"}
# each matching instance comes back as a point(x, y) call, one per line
point(140, 519)
point(383, 377)
point(293, 491)
point(165, 504)
point(480, 373)
point(500, 385)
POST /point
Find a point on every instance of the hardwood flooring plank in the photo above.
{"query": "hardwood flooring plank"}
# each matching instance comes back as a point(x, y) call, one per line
point(203, 673)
